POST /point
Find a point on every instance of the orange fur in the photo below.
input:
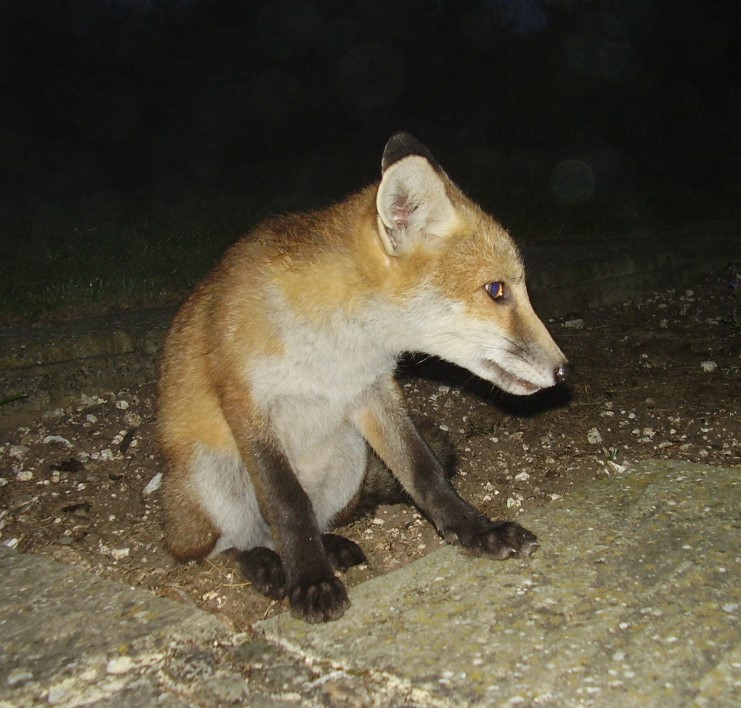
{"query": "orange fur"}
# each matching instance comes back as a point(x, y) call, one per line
point(292, 338)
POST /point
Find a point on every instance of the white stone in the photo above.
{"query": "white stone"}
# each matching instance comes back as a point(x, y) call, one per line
point(18, 451)
point(153, 485)
point(119, 665)
point(56, 439)
point(574, 324)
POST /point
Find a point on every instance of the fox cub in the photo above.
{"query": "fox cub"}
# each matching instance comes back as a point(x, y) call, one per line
point(277, 391)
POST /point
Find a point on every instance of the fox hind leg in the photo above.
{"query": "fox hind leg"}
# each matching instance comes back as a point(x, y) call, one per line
point(210, 504)
point(189, 532)
point(381, 487)
point(264, 569)
point(342, 552)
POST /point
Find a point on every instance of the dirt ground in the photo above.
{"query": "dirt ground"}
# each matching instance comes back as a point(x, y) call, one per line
point(655, 378)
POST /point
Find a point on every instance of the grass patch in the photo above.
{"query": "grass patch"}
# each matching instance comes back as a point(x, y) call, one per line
point(71, 258)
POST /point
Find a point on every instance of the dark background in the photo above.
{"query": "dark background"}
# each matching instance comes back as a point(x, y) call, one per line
point(568, 118)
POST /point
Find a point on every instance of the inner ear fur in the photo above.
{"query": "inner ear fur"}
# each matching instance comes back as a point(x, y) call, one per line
point(412, 205)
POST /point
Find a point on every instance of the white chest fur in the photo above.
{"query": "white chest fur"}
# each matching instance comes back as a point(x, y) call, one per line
point(309, 393)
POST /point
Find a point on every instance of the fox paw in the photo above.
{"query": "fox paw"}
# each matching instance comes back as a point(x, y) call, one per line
point(342, 552)
point(321, 601)
point(264, 569)
point(504, 539)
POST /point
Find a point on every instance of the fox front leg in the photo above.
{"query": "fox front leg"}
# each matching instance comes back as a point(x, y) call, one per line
point(302, 562)
point(388, 429)
point(264, 569)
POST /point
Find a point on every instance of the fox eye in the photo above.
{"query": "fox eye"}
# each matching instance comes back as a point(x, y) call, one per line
point(495, 290)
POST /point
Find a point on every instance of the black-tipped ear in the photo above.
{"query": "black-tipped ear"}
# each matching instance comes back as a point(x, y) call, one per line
point(402, 145)
point(412, 205)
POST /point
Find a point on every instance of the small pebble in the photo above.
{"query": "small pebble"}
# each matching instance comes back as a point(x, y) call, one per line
point(119, 665)
point(574, 324)
point(56, 439)
point(153, 485)
point(18, 676)
point(18, 451)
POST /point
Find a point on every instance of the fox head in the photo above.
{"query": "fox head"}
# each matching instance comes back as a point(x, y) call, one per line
point(464, 280)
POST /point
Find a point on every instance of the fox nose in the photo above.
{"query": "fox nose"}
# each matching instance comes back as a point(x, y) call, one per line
point(563, 373)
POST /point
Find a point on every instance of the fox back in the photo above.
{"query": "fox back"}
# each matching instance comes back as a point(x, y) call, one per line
point(277, 389)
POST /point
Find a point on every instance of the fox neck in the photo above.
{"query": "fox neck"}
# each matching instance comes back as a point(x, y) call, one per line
point(352, 283)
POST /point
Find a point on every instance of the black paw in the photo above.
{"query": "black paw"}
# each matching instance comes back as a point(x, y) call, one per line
point(342, 552)
point(321, 601)
point(264, 569)
point(502, 540)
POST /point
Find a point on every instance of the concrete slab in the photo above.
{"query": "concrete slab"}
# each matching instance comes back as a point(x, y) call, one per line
point(69, 637)
point(633, 599)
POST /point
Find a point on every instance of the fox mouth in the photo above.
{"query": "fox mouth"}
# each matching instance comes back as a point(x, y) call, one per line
point(508, 381)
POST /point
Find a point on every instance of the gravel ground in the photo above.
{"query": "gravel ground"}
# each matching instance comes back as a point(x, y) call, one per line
point(656, 378)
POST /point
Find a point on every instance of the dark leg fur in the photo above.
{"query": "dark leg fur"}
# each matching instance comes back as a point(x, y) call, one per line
point(342, 552)
point(500, 540)
point(396, 440)
point(314, 592)
point(264, 568)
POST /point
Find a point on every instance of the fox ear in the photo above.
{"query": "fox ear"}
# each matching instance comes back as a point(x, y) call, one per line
point(412, 205)
point(401, 145)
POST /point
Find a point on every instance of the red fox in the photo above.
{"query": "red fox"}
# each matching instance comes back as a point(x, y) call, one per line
point(277, 390)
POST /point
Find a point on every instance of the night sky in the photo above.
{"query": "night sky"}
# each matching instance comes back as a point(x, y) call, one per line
point(528, 103)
